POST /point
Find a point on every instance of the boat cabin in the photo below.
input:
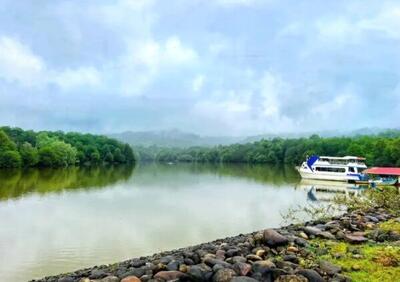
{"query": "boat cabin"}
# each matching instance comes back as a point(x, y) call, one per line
point(389, 174)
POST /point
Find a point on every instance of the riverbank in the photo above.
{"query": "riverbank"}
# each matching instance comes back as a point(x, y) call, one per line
point(357, 246)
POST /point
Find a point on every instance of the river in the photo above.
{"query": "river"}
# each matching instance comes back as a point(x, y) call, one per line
point(59, 220)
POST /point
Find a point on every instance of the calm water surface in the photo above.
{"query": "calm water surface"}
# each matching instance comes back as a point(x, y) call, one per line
point(54, 221)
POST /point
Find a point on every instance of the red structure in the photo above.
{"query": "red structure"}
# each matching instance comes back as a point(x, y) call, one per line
point(394, 171)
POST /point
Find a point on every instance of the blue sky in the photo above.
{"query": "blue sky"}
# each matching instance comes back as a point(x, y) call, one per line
point(222, 67)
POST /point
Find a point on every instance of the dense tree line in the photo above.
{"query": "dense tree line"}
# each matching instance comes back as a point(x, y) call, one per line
point(380, 150)
point(57, 149)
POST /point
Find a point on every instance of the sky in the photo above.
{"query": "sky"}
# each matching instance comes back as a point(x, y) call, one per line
point(221, 67)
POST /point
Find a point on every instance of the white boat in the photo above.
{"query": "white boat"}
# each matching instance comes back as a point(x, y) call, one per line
point(348, 168)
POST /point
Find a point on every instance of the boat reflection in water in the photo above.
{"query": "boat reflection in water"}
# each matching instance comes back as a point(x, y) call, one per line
point(325, 191)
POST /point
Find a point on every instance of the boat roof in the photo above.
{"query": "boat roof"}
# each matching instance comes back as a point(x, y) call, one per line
point(383, 171)
point(343, 158)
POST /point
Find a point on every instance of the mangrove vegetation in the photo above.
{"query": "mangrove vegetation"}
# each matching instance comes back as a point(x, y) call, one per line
point(26, 148)
point(380, 150)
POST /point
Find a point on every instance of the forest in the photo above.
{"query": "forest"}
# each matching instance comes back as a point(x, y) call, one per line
point(380, 150)
point(26, 148)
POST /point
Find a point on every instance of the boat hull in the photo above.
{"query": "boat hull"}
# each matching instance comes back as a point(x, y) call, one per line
point(328, 176)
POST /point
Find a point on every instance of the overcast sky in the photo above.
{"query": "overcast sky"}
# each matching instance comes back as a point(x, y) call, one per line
point(222, 67)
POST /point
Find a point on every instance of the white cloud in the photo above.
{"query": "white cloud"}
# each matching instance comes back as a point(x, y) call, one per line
point(271, 86)
point(176, 53)
point(145, 60)
point(198, 82)
point(255, 109)
point(337, 106)
point(18, 63)
point(231, 3)
point(385, 22)
point(72, 78)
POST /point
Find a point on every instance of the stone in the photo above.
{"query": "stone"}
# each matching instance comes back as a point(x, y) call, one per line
point(260, 253)
point(169, 275)
point(311, 275)
point(243, 279)
point(258, 237)
point(310, 230)
point(301, 242)
point(232, 252)
point(303, 235)
point(138, 272)
point(146, 278)
point(286, 265)
point(109, 279)
point(371, 218)
point(97, 274)
point(236, 259)
point(200, 271)
point(291, 278)
point(130, 279)
point(173, 265)
point(66, 279)
point(291, 258)
point(183, 268)
point(292, 249)
point(329, 268)
point(261, 265)
point(220, 254)
point(355, 239)
point(224, 275)
point(137, 262)
point(272, 238)
point(217, 267)
point(212, 261)
point(188, 261)
point(252, 257)
point(241, 268)
point(326, 235)
point(355, 267)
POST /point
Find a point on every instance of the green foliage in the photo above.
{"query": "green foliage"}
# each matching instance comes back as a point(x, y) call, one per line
point(29, 154)
point(59, 149)
point(6, 144)
point(380, 150)
point(57, 154)
point(10, 159)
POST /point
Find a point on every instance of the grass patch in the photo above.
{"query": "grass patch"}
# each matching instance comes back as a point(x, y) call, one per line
point(390, 225)
point(362, 263)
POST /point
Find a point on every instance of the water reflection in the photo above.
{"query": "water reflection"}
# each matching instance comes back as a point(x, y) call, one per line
point(16, 182)
point(59, 220)
point(325, 191)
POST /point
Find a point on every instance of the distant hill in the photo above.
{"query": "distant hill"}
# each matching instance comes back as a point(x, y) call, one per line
point(178, 138)
point(327, 133)
point(172, 138)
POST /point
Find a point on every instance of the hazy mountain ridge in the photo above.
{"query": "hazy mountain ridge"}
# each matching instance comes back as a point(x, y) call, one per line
point(173, 138)
point(178, 138)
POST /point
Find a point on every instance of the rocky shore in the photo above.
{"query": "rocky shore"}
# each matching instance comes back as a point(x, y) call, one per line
point(343, 248)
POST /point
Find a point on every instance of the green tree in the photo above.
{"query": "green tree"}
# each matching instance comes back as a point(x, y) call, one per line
point(10, 159)
point(6, 144)
point(57, 154)
point(29, 154)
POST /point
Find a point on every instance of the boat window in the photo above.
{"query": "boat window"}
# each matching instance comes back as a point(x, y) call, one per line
point(360, 169)
point(351, 169)
point(331, 169)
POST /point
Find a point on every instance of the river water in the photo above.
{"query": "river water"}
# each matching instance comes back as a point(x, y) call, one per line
point(59, 220)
